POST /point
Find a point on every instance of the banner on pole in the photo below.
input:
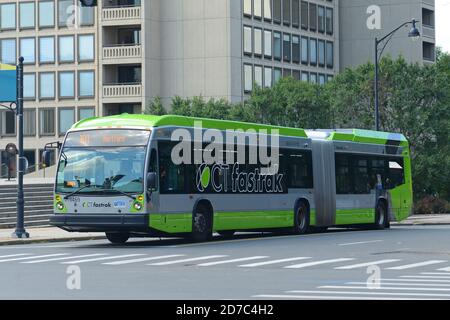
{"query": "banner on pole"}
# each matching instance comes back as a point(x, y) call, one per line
point(8, 83)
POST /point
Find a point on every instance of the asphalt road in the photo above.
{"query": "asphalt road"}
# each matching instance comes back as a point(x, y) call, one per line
point(413, 263)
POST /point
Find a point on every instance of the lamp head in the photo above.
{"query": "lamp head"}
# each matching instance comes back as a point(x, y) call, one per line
point(414, 33)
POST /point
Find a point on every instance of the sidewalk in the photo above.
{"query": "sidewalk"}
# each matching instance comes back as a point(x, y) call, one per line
point(425, 220)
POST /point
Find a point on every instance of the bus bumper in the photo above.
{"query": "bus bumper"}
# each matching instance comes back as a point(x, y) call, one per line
point(101, 223)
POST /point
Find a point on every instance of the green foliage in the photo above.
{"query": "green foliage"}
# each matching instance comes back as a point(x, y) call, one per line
point(155, 107)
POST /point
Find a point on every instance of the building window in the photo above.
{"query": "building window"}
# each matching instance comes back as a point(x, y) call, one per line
point(28, 50)
point(248, 8)
point(47, 50)
point(8, 47)
point(330, 78)
point(296, 13)
point(277, 11)
point(287, 73)
point(46, 14)
point(86, 17)
point(259, 76)
point(330, 20)
point(248, 49)
point(321, 79)
point(321, 19)
point(287, 47)
point(66, 118)
point(305, 76)
point(267, 10)
point(267, 77)
point(268, 44)
point(8, 123)
point(257, 9)
point(86, 84)
point(64, 13)
point(86, 47)
point(313, 78)
point(305, 50)
point(313, 52)
point(277, 45)
point(276, 75)
point(429, 51)
point(330, 55)
point(296, 74)
point(258, 41)
point(287, 12)
point(7, 16)
point(66, 49)
point(304, 15)
point(248, 78)
point(312, 17)
point(47, 85)
point(26, 15)
point(86, 113)
point(321, 53)
point(29, 86)
point(428, 18)
point(295, 49)
point(29, 122)
point(66, 84)
point(47, 122)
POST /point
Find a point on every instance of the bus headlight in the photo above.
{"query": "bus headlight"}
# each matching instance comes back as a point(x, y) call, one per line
point(60, 206)
point(137, 206)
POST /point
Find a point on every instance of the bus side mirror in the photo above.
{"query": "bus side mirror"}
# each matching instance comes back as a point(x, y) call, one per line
point(151, 180)
point(46, 158)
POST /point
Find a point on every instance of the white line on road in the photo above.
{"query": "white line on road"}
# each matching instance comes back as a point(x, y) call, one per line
point(385, 288)
point(316, 263)
point(416, 265)
point(265, 263)
point(35, 257)
point(104, 258)
point(418, 280)
point(367, 264)
point(375, 293)
point(436, 273)
point(231, 261)
point(426, 277)
point(362, 242)
point(185, 260)
point(65, 258)
point(15, 255)
point(118, 263)
point(306, 297)
point(394, 283)
point(445, 269)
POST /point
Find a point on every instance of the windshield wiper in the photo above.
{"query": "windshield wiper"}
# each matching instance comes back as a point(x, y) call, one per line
point(76, 191)
point(121, 192)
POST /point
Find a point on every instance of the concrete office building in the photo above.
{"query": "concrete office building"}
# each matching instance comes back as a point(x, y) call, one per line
point(114, 58)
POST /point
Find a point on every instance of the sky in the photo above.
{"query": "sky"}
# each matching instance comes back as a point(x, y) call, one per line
point(443, 24)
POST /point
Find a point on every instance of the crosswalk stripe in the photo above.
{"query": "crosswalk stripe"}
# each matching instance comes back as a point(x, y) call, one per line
point(185, 260)
point(367, 264)
point(34, 257)
point(385, 288)
point(121, 262)
point(265, 263)
point(394, 283)
point(436, 273)
point(322, 297)
point(231, 261)
point(408, 294)
point(14, 255)
point(103, 258)
point(419, 280)
point(426, 277)
point(316, 263)
point(416, 265)
point(65, 258)
point(445, 269)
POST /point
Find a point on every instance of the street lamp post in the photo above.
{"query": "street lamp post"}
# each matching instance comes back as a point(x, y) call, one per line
point(414, 34)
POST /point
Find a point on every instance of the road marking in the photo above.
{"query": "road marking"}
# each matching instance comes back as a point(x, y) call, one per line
point(65, 258)
point(426, 277)
point(104, 258)
point(367, 264)
point(403, 284)
point(445, 269)
point(185, 260)
point(117, 263)
point(231, 261)
point(265, 263)
point(385, 288)
point(316, 263)
point(375, 293)
point(436, 273)
point(15, 255)
point(362, 242)
point(416, 265)
point(34, 257)
point(418, 280)
point(267, 296)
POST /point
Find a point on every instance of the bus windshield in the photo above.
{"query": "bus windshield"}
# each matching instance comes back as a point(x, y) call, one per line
point(103, 162)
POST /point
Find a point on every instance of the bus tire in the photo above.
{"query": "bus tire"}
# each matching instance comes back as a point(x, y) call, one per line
point(201, 224)
point(301, 219)
point(226, 233)
point(380, 216)
point(117, 238)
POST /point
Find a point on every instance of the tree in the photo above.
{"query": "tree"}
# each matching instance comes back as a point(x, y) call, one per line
point(155, 107)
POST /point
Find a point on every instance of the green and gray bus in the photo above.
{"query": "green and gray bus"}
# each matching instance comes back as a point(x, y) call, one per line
point(117, 175)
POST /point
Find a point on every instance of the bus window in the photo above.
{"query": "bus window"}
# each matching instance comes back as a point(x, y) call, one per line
point(299, 169)
point(361, 175)
point(396, 175)
point(171, 176)
point(153, 163)
point(343, 174)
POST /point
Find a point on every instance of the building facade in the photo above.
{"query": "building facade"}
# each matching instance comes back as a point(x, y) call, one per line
point(112, 59)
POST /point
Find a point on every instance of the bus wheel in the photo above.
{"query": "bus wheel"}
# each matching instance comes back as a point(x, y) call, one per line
point(201, 225)
point(380, 216)
point(226, 233)
point(301, 219)
point(117, 238)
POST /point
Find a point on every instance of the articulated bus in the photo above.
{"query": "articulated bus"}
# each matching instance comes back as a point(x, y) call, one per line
point(118, 175)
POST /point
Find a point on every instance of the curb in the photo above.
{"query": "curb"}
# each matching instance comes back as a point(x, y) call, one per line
point(49, 240)
point(422, 224)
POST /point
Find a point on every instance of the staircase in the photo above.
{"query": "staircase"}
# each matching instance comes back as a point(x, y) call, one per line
point(38, 205)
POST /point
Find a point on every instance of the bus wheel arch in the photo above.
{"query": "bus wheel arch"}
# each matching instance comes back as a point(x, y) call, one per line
point(302, 212)
point(202, 220)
